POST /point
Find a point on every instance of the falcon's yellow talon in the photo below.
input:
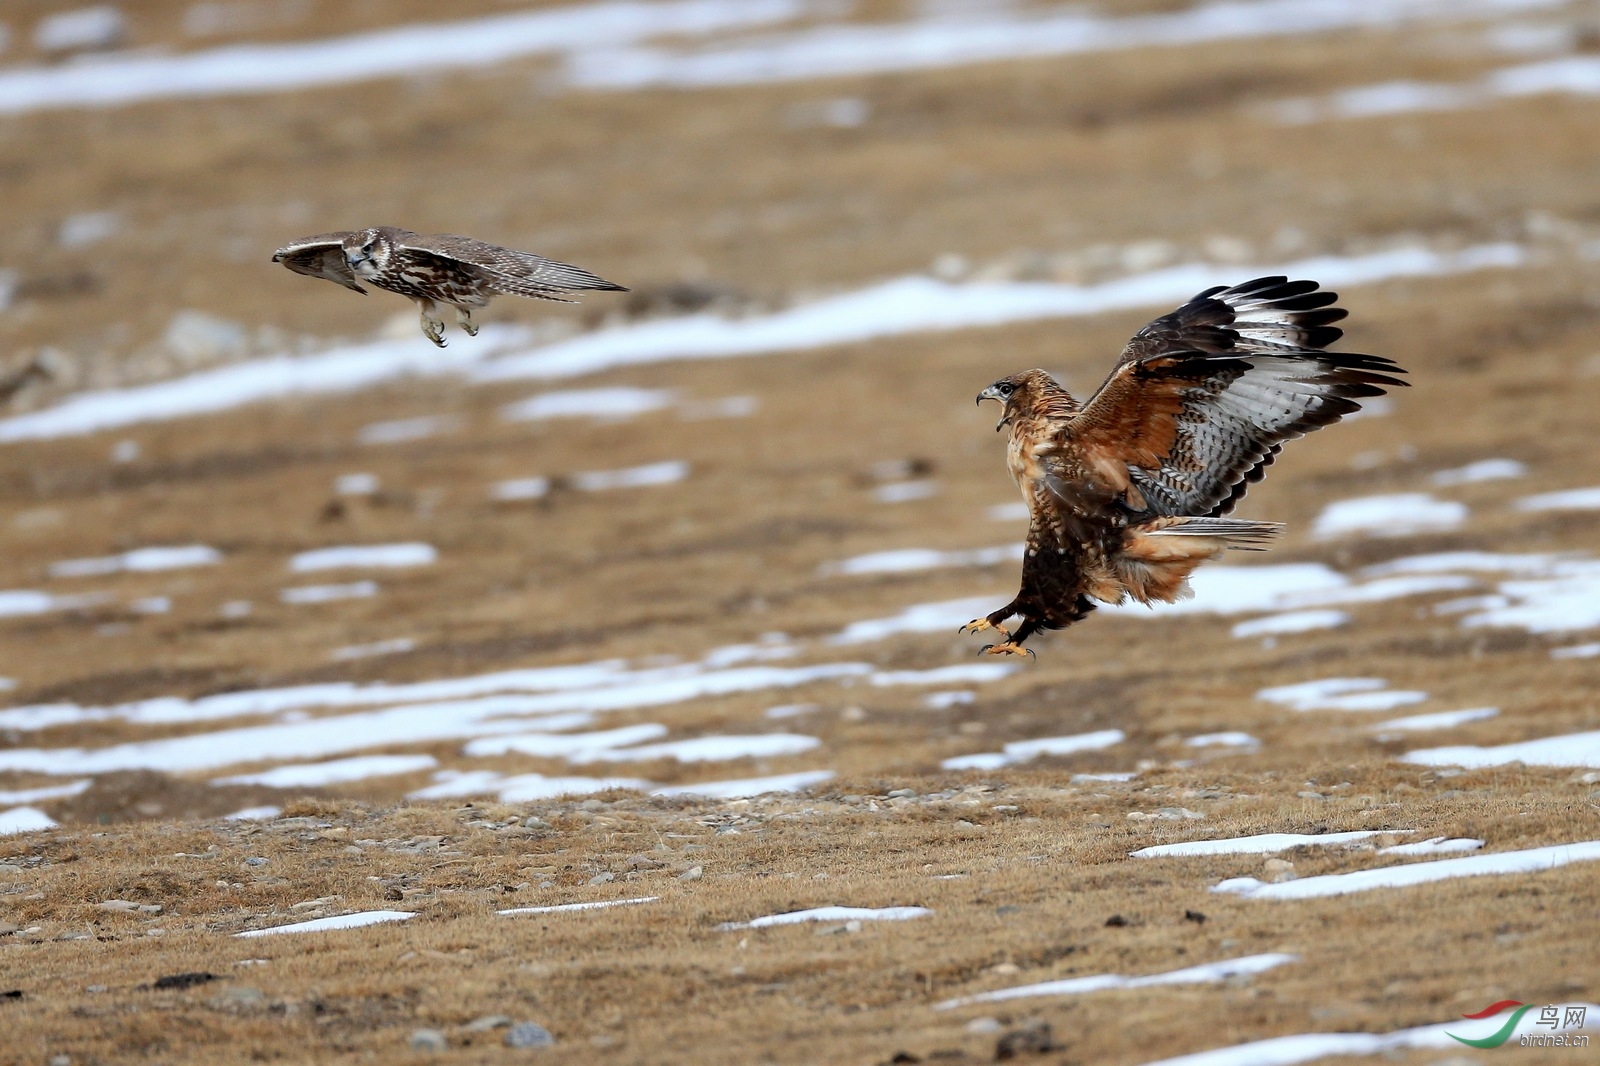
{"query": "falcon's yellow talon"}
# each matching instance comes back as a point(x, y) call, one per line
point(1010, 647)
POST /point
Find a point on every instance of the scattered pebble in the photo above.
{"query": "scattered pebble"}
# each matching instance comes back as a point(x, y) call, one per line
point(487, 1023)
point(256, 860)
point(529, 1034)
point(983, 1025)
point(601, 879)
point(184, 980)
point(1279, 870)
point(428, 1040)
point(1116, 921)
point(693, 873)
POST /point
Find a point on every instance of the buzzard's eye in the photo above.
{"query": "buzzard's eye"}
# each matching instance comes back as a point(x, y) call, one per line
point(1006, 390)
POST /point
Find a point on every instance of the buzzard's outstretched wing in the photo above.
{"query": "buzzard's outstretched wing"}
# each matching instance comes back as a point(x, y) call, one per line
point(1203, 398)
point(319, 256)
point(510, 271)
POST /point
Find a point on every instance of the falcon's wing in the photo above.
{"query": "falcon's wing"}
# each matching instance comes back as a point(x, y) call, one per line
point(1205, 397)
point(319, 256)
point(511, 271)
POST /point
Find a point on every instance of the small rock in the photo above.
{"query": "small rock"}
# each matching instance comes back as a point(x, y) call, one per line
point(149, 908)
point(591, 805)
point(1311, 795)
point(533, 821)
point(118, 905)
point(487, 1023)
point(255, 860)
point(1004, 969)
point(428, 1040)
point(903, 793)
point(1279, 870)
point(1195, 917)
point(60, 1060)
point(529, 1034)
point(641, 862)
point(601, 879)
point(11, 993)
point(983, 1025)
point(1116, 921)
point(693, 873)
point(184, 980)
point(1031, 1039)
point(7, 928)
point(96, 989)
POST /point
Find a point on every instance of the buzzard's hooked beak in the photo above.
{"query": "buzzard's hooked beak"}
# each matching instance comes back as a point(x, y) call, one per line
point(991, 394)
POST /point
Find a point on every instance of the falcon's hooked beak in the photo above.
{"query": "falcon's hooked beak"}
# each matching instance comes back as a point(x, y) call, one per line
point(991, 393)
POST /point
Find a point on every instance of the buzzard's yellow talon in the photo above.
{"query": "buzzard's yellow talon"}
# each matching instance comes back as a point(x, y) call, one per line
point(978, 625)
point(1008, 648)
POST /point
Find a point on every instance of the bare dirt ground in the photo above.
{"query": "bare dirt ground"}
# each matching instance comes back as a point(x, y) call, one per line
point(1017, 167)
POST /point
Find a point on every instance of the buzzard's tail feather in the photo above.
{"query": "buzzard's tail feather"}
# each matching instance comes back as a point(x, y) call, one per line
point(1228, 532)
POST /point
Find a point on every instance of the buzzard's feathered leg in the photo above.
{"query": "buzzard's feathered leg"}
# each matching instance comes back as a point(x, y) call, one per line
point(1013, 642)
point(432, 324)
point(464, 320)
point(978, 625)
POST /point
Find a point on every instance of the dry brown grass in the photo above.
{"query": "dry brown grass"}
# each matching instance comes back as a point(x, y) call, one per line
point(996, 162)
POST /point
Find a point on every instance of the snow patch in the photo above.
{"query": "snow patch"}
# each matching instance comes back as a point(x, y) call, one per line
point(1576, 749)
point(336, 772)
point(341, 921)
point(140, 560)
point(832, 914)
point(364, 555)
point(1206, 973)
point(1259, 844)
point(1022, 751)
point(1396, 515)
point(1532, 860)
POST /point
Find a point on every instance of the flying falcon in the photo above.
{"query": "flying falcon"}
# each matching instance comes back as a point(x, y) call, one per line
point(1127, 492)
point(442, 269)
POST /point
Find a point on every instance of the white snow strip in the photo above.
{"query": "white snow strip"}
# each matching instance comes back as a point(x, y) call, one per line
point(341, 921)
point(552, 745)
point(273, 378)
point(1568, 500)
point(1009, 512)
point(1565, 600)
point(1382, 589)
point(1022, 751)
point(397, 646)
point(707, 749)
point(748, 786)
point(1396, 515)
point(253, 814)
point(979, 34)
point(612, 404)
point(1260, 844)
point(922, 304)
point(562, 908)
point(1569, 75)
point(520, 488)
point(1441, 720)
point(398, 52)
point(907, 560)
point(832, 914)
point(355, 484)
point(364, 555)
point(1576, 749)
point(940, 617)
point(1242, 589)
point(1206, 973)
point(901, 306)
point(581, 687)
point(1311, 1047)
point(973, 673)
point(939, 701)
point(25, 820)
point(1433, 846)
point(632, 477)
point(1340, 694)
point(1223, 740)
point(356, 590)
point(47, 792)
point(1482, 470)
point(1576, 651)
point(519, 788)
point(140, 560)
point(339, 771)
point(20, 602)
point(1532, 860)
point(1292, 622)
point(1471, 562)
point(906, 491)
point(401, 430)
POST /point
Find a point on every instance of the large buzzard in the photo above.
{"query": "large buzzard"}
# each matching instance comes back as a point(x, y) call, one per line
point(1127, 492)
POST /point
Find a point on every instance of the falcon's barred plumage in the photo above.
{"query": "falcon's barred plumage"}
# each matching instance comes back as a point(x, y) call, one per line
point(440, 269)
point(1126, 493)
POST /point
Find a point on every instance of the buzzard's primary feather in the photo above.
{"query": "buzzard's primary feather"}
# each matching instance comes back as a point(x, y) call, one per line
point(1127, 491)
point(443, 269)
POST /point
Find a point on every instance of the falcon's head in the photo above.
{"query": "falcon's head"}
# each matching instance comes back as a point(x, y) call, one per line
point(368, 252)
point(1019, 392)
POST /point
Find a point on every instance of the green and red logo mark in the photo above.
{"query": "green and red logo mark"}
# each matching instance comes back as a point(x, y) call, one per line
point(1551, 1015)
point(1504, 1032)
